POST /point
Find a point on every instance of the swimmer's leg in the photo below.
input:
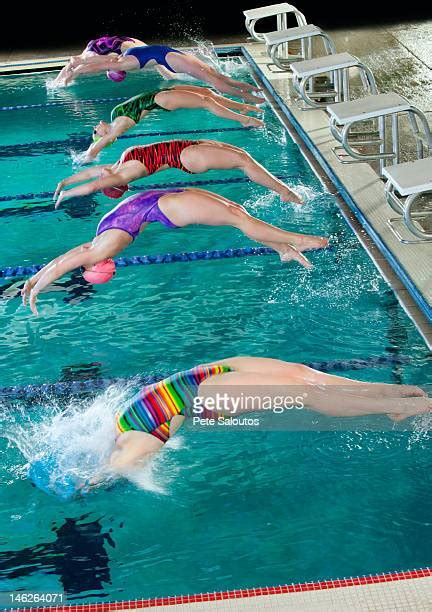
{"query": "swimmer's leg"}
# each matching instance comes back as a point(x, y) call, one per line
point(175, 99)
point(331, 400)
point(206, 91)
point(214, 155)
point(132, 448)
point(196, 206)
point(193, 66)
point(298, 373)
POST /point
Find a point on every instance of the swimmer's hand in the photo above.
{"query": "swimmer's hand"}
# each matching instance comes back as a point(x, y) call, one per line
point(62, 196)
point(25, 291)
point(75, 61)
point(57, 191)
point(32, 302)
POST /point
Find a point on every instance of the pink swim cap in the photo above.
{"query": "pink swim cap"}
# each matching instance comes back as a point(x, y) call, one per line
point(116, 75)
point(115, 192)
point(100, 273)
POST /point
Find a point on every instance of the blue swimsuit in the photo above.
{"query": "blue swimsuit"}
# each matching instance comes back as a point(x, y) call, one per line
point(152, 52)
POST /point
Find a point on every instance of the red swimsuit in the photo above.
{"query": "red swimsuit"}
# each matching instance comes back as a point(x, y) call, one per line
point(154, 156)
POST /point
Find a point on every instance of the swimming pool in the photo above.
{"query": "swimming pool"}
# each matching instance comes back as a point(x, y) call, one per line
point(220, 510)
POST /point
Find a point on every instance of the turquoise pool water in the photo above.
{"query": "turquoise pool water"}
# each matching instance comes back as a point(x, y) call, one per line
point(216, 510)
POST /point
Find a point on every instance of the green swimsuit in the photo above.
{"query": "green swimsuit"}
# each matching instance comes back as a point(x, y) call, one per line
point(133, 107)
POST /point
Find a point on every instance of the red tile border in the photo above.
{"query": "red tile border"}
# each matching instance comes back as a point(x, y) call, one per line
point(238, 593)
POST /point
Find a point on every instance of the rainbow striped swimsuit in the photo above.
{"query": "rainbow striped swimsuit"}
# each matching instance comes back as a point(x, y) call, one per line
point(152, 408)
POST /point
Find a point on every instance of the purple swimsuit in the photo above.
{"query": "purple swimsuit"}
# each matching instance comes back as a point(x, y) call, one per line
point(141, 208)
point(107, 44)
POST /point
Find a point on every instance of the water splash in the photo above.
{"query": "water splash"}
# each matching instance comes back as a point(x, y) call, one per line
point(52, 84)
point(205, 51)
point(423, 430)
point(79, 158)
point(73, 442)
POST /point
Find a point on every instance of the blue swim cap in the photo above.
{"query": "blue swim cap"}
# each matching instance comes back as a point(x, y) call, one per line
point(45, 474)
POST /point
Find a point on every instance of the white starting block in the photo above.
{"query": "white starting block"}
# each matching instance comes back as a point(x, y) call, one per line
point(280, 11)
point(337, 67)
point(304, 34)
point(412, 180)
point(377, 108)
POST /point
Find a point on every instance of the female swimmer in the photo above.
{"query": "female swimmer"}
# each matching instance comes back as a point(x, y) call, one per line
point(127, 114)
point(156, 412)
point(172, 208)
point(104, 46)
point(192, 156)
point(139, 58)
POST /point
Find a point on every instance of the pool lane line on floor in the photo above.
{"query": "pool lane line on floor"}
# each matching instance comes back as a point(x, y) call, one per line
point(70, 387)
point(44, 195)
point(8, 150)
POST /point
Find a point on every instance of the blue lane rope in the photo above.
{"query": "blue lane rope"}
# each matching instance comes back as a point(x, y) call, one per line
point(44, 195)
point(51, 104)
point(77, 387)
point(76, 140)
point(147, 260)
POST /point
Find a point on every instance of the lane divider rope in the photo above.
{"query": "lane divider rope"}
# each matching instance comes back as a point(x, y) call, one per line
point(75, 140)
point(146, 260)
point(76, 387)
point(54, 104)
point(43, 195)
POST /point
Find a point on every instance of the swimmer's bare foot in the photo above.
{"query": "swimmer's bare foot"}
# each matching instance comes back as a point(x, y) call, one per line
point(308, 242)
point(290, 196)
point(251, 98)
point(252, 122)
point(251, 108)
point(290, 253)
point(249, 87)
point(410, 391)
point(411, 407)
point(249, 94)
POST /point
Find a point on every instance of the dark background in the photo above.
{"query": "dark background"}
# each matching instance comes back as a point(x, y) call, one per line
point(43, 25)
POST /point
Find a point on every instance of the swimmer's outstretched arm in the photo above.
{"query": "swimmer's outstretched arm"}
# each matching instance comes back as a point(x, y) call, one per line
point(104, 63)
point(114, 179)
point(84, 175)
point(86, 254)
point(78, 256)
point(117, 128)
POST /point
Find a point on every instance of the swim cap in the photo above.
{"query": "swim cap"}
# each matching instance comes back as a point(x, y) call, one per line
point(45, 474)
point(116, 75)
point(100, 273)
point(96, 138)
point(115, 192)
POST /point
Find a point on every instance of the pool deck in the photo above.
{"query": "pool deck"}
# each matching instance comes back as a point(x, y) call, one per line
point(405, 595)
point(404, 591)
point(406, 267)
